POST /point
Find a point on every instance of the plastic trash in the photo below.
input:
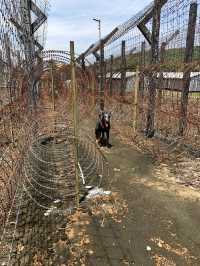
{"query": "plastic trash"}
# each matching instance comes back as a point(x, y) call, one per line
point(88, 187)
point(81, 173)
point(57, 201)
point(148, 248)
point(97, 192)
point(49, 211)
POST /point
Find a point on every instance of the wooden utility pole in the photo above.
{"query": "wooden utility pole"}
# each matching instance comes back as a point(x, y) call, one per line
point(123, 69)
point(150, 130)
point(188, 59)
point(75, 118)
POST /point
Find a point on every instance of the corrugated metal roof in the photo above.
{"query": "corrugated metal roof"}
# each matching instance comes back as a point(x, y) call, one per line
point(118, 75)
point(167, 75)
point(178, 75)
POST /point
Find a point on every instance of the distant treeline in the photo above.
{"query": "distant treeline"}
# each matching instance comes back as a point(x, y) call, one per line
point(173, 57)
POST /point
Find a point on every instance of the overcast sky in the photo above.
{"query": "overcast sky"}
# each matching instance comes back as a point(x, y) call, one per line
point(72, 20)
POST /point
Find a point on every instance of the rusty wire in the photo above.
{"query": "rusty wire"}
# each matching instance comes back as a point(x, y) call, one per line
point(41, 166)
point(37, 166)
point(168, 74)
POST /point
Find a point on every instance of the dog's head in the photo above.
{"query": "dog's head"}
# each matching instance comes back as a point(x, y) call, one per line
point(107, 116)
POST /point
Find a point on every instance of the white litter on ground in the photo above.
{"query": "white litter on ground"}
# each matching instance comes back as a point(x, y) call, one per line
point(57, 201)
point(49, 211)
point(81, 173)
point(88, 187)
point(97, 192)
point(148, 248)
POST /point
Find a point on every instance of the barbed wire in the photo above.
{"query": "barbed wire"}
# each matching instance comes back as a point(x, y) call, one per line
point(38, 153)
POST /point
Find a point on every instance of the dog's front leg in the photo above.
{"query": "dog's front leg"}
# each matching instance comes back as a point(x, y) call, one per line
point(107, 137)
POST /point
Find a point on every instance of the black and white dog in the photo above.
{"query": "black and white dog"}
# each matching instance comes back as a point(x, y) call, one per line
point(102, 129)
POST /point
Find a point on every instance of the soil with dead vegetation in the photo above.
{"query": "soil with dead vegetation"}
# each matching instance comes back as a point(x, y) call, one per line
point(148, 219)
point(153, 221)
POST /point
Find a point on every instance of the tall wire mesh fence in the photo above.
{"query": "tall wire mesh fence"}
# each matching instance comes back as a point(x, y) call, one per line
point(146, 72)
point(37, 162)
point(161, 45)
point(38, 167)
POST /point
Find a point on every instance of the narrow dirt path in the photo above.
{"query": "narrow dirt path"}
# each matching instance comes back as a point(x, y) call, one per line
point(162, 224)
